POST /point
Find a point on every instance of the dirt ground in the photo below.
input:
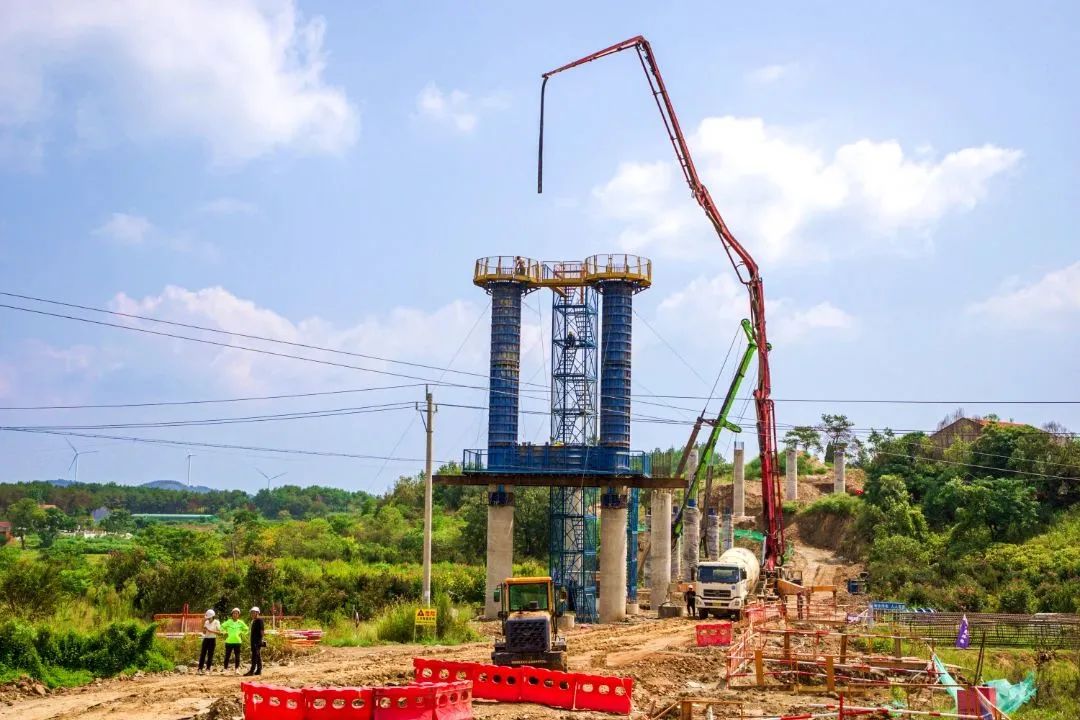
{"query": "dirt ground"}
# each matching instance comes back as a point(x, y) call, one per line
point(659, 655)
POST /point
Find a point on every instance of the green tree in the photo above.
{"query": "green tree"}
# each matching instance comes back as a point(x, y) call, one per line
point(52, 524)
point(118, 521)
point(25, 517)
point(804, 436)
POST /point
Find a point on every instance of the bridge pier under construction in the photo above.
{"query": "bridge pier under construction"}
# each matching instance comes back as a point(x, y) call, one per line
point(593, 475)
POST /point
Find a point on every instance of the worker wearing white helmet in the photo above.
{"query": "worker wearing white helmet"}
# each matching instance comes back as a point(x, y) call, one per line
point(211, 629)
point(235, 629)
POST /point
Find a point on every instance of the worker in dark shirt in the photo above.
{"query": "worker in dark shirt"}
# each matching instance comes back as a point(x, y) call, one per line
point(257, 643)
point(691, 601)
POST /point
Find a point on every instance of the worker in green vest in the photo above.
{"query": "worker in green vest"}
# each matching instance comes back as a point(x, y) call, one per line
point(234, 629)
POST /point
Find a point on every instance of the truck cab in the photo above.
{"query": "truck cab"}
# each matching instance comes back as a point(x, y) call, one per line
point(724, 586)
point(529, 613)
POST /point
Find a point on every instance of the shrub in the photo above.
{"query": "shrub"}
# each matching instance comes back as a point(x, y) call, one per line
point(65, 658)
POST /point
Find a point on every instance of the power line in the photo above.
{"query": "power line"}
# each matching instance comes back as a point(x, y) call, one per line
point(310, 414)
point(670, 347)
point(825, 401)
point(219, 446)
point(248, 336)
point(175, 403)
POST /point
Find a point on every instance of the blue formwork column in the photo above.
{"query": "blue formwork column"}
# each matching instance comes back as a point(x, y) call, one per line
point(632, 519)
point(615, 348)
point(505, 369)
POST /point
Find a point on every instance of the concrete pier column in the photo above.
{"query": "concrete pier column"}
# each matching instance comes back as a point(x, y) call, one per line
point(791, 491)
point(739, 481)
point(676, 548)
point(727, 533)
point(691, 541)
point(712, 535)
point(660, 548)
point(840, 468)
point(500, 544)
point(612, 555)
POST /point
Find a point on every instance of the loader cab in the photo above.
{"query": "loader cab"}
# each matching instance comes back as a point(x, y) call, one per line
point(530, 595)
point(529, 611)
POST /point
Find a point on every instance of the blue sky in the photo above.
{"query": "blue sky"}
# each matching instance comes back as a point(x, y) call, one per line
point(326, 173)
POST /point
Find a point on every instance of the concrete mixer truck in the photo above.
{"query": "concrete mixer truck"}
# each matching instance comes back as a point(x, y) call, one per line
point(724, 586)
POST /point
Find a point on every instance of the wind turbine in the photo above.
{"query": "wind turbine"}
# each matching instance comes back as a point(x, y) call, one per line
point(75, 459)
point(269, 478)
point(189, 456)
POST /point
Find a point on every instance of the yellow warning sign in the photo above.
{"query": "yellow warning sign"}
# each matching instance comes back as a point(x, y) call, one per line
point(426, 617)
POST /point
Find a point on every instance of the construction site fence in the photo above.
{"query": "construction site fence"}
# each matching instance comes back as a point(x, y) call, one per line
point(184, 623)
point(567, 691)
point(419, 701)
point(1051, 631)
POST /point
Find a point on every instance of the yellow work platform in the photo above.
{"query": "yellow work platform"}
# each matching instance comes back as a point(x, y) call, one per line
point(563, 273)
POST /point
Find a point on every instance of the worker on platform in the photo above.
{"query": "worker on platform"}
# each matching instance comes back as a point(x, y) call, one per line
point(257, 642)
point(211, 630)
point(235, 629)
point(570, 338)
point(519, 265)
point(691, 601)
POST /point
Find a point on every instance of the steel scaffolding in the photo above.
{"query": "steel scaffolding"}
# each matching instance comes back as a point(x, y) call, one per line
point(573, 366)
point(574, 535)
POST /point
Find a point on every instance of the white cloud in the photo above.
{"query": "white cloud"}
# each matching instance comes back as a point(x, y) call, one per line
point(402, 333)
point(771, 187)
point(721, 302)
point(245, 77)
point(456, 109)
point(1052, 301)
point(771, 73)
point(137, 231)
point(126, 229)
point(228, 206)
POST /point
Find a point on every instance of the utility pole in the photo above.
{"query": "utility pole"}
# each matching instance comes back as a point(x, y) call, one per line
point(429, 425)
point(189, 456)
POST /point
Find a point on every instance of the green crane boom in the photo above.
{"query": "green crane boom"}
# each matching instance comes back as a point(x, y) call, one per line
point(719, 424)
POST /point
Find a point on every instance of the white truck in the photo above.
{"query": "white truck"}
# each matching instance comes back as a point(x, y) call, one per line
point(724, 586)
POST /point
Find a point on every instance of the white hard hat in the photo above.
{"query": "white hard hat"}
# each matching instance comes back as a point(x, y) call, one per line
point(256, 609)
point(234, 610)
point(209, 614)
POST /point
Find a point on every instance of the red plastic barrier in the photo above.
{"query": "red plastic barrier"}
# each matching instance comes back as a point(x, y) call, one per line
point(453, 700)
point(349, 703)
point(548, 687)
point(971, 701)
point(714, 634)
point(405, 702)
point(270, 702)
point(427, 670)
point(495, 682)
point(606, 694)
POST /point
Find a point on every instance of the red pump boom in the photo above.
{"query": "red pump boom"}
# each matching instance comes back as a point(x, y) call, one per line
point(745, 268)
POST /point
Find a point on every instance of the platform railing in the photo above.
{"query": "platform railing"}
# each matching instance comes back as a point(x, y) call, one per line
point(557, 460)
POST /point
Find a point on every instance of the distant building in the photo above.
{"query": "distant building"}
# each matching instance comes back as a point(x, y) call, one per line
point(100, 514)
point(5, 531)
point(174, 517)
point(44, 506)
point(967, 430)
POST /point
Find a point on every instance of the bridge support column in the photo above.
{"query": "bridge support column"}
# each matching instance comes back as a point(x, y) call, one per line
point(500, 544)
point(612, 555)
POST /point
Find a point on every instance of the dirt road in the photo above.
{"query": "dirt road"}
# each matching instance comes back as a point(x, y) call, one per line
point(658, 654)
